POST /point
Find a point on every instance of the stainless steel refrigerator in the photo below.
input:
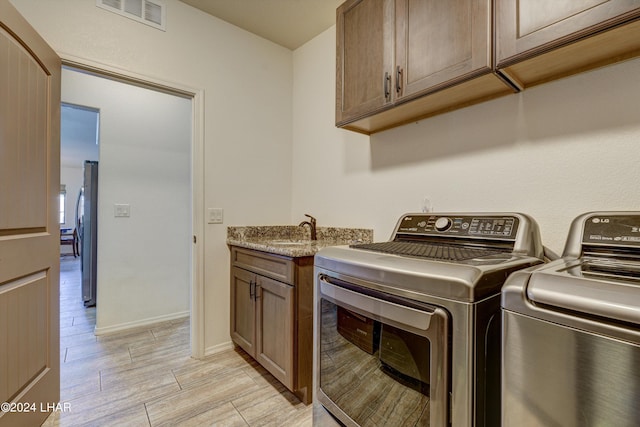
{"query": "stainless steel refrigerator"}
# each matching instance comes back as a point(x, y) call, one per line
point(87, 224)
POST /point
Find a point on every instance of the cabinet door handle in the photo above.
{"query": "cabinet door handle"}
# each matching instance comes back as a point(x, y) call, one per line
point(398, 80)
point(387, 83)
point(252, 289)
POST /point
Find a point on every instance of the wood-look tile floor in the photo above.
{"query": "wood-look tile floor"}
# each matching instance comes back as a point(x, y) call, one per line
point(146, 377)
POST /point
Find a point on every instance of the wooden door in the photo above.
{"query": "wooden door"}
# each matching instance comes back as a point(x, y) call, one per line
point(528, 27)
point(29, 225)
point(440, 43)
point(275, 329)
point(243, 309)
point(364, 55)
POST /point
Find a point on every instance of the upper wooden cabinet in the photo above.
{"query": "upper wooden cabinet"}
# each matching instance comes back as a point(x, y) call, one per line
point(398, 61)
point(419, 57)
point(541, 40)
point(364, 48)
point(438, 43)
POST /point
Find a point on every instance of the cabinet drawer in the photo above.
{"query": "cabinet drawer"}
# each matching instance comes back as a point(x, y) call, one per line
point(270, 265)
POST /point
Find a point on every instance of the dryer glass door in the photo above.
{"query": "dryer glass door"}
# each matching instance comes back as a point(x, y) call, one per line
point(381, 362)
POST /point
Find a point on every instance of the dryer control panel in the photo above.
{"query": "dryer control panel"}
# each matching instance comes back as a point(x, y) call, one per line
point(470, 226)
point(612, 230)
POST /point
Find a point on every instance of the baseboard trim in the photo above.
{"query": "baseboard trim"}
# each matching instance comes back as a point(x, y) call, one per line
point(140, 323)
point(209, 351)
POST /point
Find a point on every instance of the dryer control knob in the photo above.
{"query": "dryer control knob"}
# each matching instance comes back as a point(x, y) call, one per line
point(443, 223)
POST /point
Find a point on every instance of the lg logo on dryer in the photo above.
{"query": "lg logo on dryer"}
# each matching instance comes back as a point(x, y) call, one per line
point(600, 220)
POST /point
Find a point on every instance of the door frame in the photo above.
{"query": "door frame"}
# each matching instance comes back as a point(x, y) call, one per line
point(196, 95)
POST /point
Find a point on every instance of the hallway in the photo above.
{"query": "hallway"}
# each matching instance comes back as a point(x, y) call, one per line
point(146, 377)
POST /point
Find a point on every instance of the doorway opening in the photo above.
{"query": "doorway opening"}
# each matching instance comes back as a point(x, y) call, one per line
point(146, 262)
point(79, 155)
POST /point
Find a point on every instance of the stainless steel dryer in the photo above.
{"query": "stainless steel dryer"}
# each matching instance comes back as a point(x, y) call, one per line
point(571, 331)
point(407, 332)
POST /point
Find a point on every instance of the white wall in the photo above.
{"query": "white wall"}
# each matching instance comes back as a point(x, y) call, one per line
point(553, 151)
point(247, 89)
point(145, 147)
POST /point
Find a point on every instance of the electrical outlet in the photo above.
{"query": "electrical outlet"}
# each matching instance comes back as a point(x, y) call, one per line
point(427, 206)
point(121, 210)
point(215, 215)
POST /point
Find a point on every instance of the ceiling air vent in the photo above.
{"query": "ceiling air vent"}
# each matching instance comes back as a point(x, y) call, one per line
point(150, 12)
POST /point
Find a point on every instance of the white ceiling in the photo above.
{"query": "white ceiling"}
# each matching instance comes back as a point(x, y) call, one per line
point(289, 23)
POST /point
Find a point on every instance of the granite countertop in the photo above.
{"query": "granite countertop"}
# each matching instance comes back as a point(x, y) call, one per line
point(294, 241)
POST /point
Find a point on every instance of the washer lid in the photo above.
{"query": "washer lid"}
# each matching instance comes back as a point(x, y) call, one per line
point(594, 287)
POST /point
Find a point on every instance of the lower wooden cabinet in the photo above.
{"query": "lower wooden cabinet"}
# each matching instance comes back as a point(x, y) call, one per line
point(272, 314)
point(262, 319)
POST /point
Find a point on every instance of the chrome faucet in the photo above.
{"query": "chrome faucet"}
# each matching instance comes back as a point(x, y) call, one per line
point(312, 226)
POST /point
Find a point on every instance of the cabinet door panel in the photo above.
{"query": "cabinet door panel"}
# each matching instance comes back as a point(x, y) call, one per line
point(535, 15)
point(439, 43)
point(275, 337)
point(527, 27)
point(364, 35)
point(243, 312)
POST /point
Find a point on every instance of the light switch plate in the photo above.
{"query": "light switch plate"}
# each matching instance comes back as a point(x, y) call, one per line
point(121, 210)
point(215, 215)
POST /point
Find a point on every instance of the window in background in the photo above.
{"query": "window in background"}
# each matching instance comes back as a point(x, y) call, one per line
point(63, 196)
